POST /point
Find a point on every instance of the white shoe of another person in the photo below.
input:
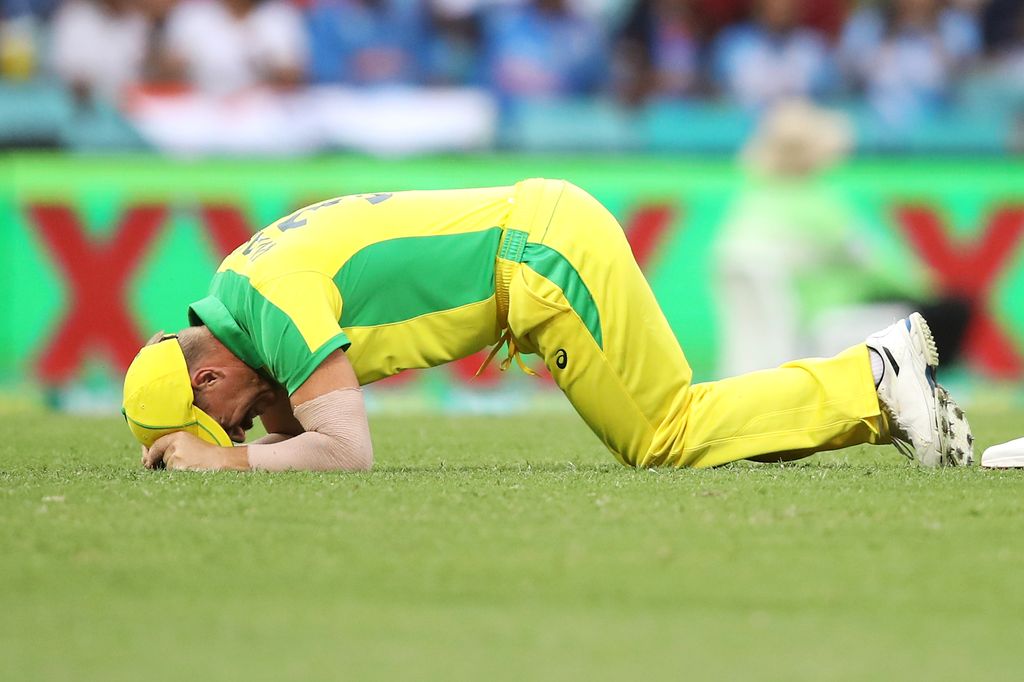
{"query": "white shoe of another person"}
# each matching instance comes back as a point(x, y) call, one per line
point(926, 424)
point(1005, 455)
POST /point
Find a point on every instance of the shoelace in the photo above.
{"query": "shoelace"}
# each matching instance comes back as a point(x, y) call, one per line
point(904, 448)
point(900, 438)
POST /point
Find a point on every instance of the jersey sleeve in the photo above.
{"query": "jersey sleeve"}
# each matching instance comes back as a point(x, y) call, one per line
point(294, 325)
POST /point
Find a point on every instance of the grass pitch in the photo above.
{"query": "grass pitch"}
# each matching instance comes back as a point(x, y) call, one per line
point(504, 549)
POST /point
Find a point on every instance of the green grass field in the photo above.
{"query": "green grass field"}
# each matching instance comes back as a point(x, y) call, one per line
point(504, 549)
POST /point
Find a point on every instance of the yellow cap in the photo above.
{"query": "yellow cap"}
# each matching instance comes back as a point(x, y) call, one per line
point(158, 397)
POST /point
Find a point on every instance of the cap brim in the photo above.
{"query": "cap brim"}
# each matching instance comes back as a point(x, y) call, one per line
point(201, 425)
point(208, 429)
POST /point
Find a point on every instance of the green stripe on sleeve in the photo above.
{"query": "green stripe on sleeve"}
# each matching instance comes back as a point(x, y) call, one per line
point(270, 332)
point(554, 267)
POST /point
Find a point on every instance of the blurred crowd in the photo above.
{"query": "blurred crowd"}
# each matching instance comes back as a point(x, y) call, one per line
point(903, 57)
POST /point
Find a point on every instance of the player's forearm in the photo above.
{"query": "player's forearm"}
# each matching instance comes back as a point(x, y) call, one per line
point(337, 437)
point(310, 452)
point(272, 438)
point(237, 458)
point(232, 459)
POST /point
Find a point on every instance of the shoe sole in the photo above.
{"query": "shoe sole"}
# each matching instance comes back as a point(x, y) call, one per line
point(1004, 456)
point(954, 431)
point(956, 442)
point(921, 334)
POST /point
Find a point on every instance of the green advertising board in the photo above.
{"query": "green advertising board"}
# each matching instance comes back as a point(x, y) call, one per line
point(100, 252)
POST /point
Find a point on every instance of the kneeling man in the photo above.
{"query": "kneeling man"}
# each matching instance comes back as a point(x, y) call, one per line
point(354, 289)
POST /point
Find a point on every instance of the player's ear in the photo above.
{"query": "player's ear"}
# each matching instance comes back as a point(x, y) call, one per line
point(206, 377)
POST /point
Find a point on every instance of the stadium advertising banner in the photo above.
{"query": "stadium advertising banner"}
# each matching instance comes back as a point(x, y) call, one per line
point(101, 252)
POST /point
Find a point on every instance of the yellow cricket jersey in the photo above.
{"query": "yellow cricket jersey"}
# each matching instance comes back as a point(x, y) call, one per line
point(399, 280)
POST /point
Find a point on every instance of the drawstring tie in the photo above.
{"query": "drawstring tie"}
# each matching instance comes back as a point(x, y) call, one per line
point(509, 256)
point(513, 353)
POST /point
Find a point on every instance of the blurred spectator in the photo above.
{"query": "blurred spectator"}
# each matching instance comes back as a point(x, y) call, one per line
point(1000, 25)
point(824, 15)
point(658, 53)
point(999, 83)
point(366, 42)
point(224, 46)
point(773, 56)
point(453, 51)
point(904, 54)
point(791, 249)
point(35, 8)
point(904, 57)
point(19, 46)
point(543, 48)
point(716, 15)
point(1003, 25)
point(800, 274)
point(99, 46)
point(827, 16)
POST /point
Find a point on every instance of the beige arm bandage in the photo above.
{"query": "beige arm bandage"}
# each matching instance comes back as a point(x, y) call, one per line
point(337, 437)
point(270, 439)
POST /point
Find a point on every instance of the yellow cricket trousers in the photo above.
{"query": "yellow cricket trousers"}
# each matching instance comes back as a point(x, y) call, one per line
point(572, 293)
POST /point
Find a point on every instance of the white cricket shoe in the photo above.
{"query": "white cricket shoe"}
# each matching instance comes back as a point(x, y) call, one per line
point(1005, 455)
point(926, 424)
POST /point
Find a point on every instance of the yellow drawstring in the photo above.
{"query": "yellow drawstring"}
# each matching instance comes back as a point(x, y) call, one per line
point(510, 255)
point(494, 351)
point(513, 352)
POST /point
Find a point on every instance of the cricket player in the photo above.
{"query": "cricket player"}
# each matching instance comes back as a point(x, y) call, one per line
point(357, 288)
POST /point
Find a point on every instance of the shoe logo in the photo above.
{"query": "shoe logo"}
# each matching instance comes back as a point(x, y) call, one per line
point(561, 358)
point(892, 360)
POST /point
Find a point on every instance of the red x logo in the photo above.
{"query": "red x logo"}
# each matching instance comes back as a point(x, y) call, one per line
point(971, 271)
point(97, 274)
point(226, 226)
point(645, 229)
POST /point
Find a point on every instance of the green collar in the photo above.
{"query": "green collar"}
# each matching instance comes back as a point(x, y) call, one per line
point(211, 312)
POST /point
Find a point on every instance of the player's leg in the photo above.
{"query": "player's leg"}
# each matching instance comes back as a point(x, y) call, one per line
point(800, 408)
point(610, 398)
point(581, 302)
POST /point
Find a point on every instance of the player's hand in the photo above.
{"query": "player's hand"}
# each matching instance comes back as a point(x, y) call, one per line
point(183, 451)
